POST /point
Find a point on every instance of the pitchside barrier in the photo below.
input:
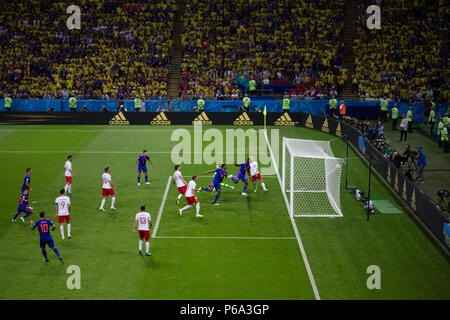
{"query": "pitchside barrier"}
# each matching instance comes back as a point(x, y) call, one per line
point(355, 108)
point(420, 203)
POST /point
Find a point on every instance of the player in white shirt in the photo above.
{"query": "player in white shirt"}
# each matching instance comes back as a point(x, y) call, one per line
point(179, 182)
point(68, 174)
point(145, 223)
point(254, 172)
point(62, 212)
point(191, 198)
point(107, 189)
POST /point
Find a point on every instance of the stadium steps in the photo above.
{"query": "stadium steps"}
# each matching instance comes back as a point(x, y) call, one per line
point(177, 51)
point(350, 18)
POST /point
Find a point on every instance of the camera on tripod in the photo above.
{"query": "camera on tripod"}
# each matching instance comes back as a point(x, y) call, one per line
point(443, 203)
point(360, 196)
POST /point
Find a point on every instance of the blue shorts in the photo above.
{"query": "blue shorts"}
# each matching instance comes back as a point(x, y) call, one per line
point(24, 187)
point(48, 242)
point(241, 176)
point(216, 185)
point(23, 209)
point(144, 169)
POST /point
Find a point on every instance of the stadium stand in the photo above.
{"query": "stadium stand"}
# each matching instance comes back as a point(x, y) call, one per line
point(407, 59)
point(122, 50)
point(293, 46)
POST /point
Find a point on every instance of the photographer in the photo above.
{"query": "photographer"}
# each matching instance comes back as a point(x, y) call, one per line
point(421, 163)
point(397, 160)
point(388, 151)
point(409, 156)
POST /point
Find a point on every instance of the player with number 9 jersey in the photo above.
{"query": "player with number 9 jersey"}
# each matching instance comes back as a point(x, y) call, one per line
point(62, 212)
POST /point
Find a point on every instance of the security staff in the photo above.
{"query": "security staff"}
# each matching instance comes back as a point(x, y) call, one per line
point(384, 109)
point(246, 104)
point(440, 130)
point(137, 104)
point(286, 104)
point(444, 138)
point(409, 116)
point(342, 109)
point(8, 103)
point(333, 106)
point(200, 105)
point(432, 119)
point(252, 85)
point(73, 104)
point(394, 117)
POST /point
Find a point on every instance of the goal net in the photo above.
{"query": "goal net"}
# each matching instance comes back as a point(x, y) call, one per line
point(311, 178)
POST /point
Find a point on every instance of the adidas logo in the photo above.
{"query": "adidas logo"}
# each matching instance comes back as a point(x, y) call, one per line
point(338, 130)
point(161, 120)
point(404, 194)
point(309, 123)
point(202, 119)
point(413, 200)
point(388, 179)
point(396, 183)
point(284, 120)
point(119, 119)
point(325, 126)
point(243, 120)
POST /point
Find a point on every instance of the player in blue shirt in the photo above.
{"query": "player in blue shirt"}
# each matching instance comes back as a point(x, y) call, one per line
point(23, 206)
point(142, 159)
point(43, 226)
point(27, 180)
point(242, 175)
point(216, 182)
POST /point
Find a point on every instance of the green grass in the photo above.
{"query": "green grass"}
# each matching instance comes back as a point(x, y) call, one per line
point(196, 265)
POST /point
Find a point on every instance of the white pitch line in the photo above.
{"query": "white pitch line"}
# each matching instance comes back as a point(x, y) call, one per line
point(97, 152)
point(294, 225)
point(237, 238)
point(161, 208)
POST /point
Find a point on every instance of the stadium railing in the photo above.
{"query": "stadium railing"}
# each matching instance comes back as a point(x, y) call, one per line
point(355, 108)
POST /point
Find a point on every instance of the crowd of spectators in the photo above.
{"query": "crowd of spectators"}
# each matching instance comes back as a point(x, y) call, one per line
point(122, 49)
point(295, 42)
point(407, 59)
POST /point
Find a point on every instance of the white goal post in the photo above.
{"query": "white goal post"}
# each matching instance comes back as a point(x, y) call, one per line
point(311, 178)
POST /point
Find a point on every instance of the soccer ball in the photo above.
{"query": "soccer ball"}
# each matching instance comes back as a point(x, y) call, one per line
point(125, 109)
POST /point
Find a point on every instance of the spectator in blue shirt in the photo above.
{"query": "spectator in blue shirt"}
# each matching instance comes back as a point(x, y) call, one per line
point(421, 163)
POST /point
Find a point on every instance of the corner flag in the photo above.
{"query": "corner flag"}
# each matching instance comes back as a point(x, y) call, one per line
point(265, 114)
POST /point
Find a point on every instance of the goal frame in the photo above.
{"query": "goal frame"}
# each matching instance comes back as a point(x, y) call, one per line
point(290, 183)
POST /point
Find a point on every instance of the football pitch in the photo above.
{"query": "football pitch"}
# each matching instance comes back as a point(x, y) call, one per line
point(245, 248)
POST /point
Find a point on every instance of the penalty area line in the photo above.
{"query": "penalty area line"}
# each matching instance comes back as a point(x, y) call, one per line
point(232, 238)
point(161, 208)
point(294, 225)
